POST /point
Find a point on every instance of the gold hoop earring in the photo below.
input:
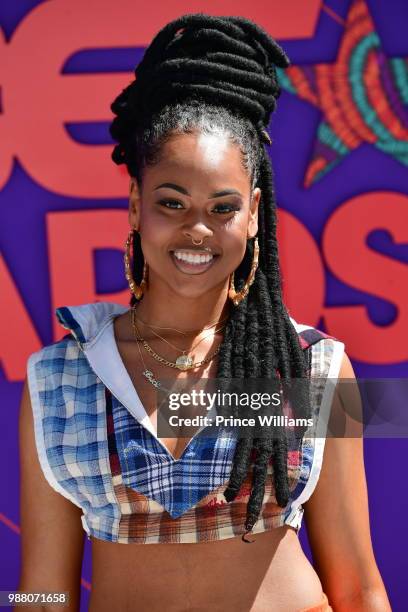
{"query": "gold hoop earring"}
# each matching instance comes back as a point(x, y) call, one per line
point(235, 296)
point(137, 290)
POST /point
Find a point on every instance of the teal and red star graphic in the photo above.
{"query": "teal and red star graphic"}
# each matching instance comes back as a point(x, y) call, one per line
point(363, 97)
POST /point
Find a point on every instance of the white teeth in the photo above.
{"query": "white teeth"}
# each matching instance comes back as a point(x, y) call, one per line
point(192, 258)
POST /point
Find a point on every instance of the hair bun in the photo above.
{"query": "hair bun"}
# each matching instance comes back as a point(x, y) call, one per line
point(223, 60)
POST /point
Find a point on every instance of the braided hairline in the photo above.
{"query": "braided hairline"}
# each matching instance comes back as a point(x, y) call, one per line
point(188, 118)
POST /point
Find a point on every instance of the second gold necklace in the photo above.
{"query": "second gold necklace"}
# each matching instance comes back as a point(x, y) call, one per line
point(184, 362)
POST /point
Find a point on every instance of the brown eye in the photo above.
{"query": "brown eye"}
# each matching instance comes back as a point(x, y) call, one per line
point(226, 208)
point(171, 202)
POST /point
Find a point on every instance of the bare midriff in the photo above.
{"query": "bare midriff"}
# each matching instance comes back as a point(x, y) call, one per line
point(272, 573)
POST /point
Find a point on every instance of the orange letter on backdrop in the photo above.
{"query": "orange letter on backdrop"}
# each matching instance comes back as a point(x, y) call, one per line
point(7, 144)
point(303, 281)
point(349, 258)
point(18, 336)
point(72, 239)
point(39, 100)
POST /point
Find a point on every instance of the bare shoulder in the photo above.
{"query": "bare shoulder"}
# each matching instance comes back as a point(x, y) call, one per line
point(52, 536)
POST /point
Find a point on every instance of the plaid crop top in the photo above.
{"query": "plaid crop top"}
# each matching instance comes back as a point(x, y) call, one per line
point(98, 447)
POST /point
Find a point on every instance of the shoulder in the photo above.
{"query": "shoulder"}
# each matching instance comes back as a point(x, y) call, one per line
point(49, 364)
point(65, 347)
point(85, 321)
point(346, 368)
point(309, 336)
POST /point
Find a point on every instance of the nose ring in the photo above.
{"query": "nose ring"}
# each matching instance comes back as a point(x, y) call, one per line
point(197, 243)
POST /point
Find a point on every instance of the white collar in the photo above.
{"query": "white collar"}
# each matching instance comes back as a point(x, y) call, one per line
point(92, 327)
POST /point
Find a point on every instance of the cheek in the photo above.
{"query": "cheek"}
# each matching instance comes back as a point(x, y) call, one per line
point(155, 231)
point(239, 253)
point(154, 247)
point(233, 236)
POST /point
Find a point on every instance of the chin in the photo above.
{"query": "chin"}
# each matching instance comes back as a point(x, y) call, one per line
point(197, 289)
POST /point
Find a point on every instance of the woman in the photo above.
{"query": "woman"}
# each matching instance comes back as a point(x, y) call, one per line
point(206, 303)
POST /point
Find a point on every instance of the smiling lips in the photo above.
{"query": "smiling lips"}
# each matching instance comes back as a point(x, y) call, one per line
point(193, 261)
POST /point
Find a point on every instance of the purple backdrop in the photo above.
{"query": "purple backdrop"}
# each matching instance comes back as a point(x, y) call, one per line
point(366, 169)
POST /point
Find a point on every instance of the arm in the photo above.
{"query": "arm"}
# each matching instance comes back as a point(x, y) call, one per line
point(337, 515)
point(51, 531)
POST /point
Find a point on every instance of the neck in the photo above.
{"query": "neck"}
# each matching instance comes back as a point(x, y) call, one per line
point(165, 308)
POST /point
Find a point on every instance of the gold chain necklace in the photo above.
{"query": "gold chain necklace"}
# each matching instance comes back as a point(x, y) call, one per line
point(192, 348)
point(184, 362)
point(194, 345)
point(149, 374)
point(185, 332)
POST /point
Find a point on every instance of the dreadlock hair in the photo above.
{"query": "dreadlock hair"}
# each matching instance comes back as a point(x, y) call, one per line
point(217, 74)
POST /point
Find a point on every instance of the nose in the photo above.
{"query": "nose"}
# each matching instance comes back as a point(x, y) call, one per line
point(197, 233)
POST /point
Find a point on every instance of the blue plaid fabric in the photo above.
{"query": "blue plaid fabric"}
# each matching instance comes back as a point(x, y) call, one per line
point(70, 430)
point(105, 460)
point(177, 485)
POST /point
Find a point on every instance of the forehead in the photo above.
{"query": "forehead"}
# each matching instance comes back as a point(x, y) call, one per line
point(201, 157)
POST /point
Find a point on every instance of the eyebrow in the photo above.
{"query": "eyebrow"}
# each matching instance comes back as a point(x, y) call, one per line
point(217, 194)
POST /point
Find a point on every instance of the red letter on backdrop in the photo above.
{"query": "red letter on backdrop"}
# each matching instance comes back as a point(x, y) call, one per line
point(18, 336)
point(72, 238)
point(349, 258)
point(303, 281)
point(54, 31)
point(7, 144)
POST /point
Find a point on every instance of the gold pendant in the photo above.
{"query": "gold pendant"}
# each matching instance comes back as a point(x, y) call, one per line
point(184, 362)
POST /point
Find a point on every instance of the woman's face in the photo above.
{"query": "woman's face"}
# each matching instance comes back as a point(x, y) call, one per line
point(199, 190)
